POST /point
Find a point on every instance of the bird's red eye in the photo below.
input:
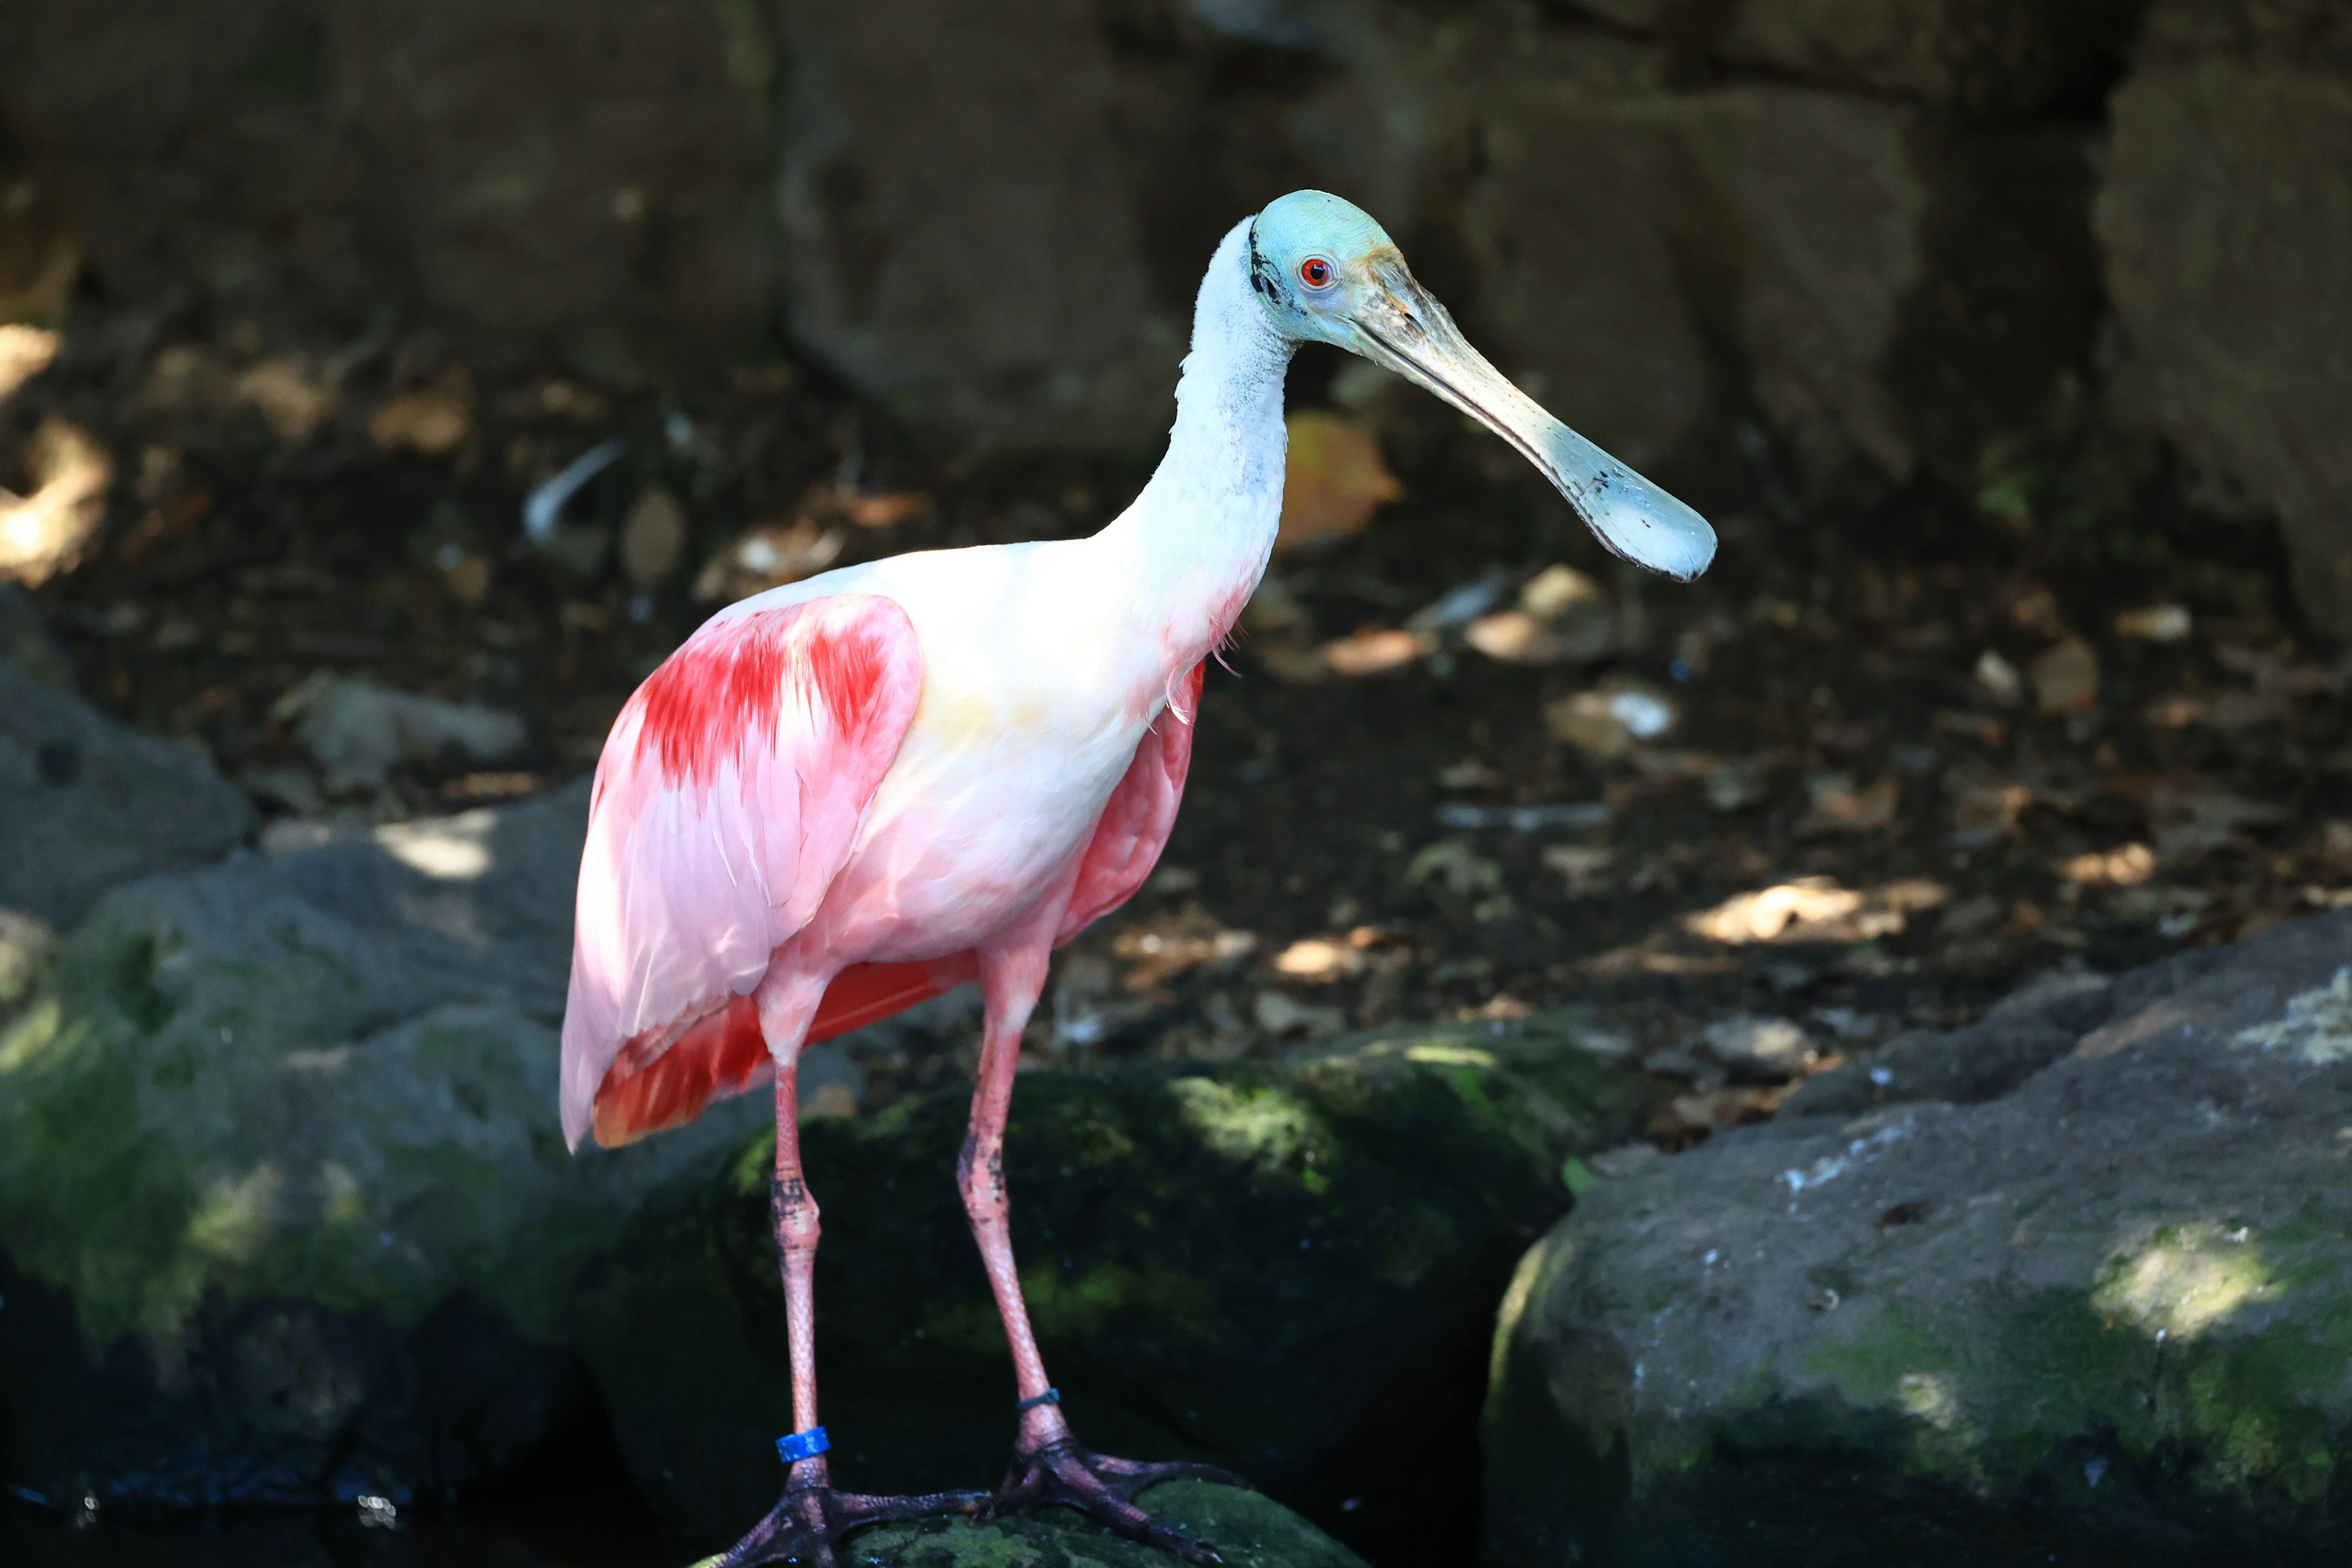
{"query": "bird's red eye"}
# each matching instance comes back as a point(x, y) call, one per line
point(1315, 272)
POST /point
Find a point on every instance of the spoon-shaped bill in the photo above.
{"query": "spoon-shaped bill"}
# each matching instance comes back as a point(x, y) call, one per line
point(1408, 331)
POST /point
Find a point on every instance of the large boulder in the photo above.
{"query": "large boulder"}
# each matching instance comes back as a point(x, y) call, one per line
point(966, 241)
point(86, 804)
point(1249, 1530)
point(591, 179)
point(2107, 1314)
point(2227, 222)
point(1990, 57)
point(1289, 1269)
point(1585, 315)
point(284, 1211)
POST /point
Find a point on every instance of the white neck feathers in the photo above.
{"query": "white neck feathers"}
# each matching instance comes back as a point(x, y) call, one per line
point(1198, 536)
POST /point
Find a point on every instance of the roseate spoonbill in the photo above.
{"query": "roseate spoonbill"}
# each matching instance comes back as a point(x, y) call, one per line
point(848, 795)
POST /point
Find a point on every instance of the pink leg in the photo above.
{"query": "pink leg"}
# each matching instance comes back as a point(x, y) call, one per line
point(812, 1516)
point(794, 1213)
point(1048, 1463)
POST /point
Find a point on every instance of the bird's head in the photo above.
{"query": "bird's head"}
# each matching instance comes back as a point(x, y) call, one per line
point(1322, 270)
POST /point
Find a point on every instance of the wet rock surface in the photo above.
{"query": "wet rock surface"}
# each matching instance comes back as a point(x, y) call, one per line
point(287, 1212)
point(1276, 1267)
point(2104, 1312)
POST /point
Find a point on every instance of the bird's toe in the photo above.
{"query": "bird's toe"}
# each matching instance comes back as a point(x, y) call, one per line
point(1104, 1488)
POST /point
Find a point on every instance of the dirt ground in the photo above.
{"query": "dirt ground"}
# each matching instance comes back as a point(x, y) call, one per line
point(1889, 758)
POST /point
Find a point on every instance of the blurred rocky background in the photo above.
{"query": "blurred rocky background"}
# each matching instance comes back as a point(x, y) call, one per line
point(385, 390)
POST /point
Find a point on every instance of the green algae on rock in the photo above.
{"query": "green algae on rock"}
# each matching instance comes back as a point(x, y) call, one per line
point(1277, 1266)
point(2107, 1315)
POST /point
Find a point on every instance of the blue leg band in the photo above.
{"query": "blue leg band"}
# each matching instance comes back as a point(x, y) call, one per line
point(1051, 1397)
point(801, 1446)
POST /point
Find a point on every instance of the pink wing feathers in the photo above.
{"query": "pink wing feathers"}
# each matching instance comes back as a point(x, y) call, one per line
point(1136, 820)
point(728, 796)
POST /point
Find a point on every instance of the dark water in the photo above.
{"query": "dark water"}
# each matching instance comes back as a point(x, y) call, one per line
point(571, 1507)
point(31, 1538)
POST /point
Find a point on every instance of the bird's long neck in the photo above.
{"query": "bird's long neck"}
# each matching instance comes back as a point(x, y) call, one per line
point(1191, 548)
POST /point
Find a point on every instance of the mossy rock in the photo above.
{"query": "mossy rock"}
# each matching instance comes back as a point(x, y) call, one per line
point(2107, 1317)
point(284, 1211)
point(1288, 1268)
point(1248, 1529)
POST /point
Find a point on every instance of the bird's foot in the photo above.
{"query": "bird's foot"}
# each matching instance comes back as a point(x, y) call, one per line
point(1096, 1484)
point(812, 1517)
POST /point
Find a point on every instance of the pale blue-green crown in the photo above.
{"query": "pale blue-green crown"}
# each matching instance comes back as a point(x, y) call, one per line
point(1305, 227)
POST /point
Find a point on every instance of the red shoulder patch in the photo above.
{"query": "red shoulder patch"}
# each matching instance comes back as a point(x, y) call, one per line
point(723, 689)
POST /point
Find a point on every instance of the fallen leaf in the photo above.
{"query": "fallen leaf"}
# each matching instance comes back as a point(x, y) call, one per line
point(1462, 869)
point(43, 533)
point(1839, 807)
point(1982, 813)
point(887, 509)
point(1998, 679)
point(1278, 1015)
point(1319, 958)
point(766, 557)
point(2194, 822)
point(2157, 624)
point(1772, 1048)
point(1375, 651)
point(1168, 945)
point(1468, 774)
point(432, 420)
point(188, 378)
point(1563, 618)
point(287, 396)
point(568, 400)
point(1815, 908)
point(2118, 867)
point(1581, 864)
point(1608, 721)
point(653, 538)
point(2066, 677)
point(1335, 481)
point(25, 352)
point(2034, 608)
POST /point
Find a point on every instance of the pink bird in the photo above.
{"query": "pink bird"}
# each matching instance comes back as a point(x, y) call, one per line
point(845, 795)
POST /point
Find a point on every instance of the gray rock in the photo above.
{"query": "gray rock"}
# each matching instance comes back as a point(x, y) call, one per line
point(2102, 1315)
point(86, 804)
point(359, 731)
point(286, 1211)
point(2232, 141)
point(26, 642)
point(1772, 1049)
point(1983, 1061)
